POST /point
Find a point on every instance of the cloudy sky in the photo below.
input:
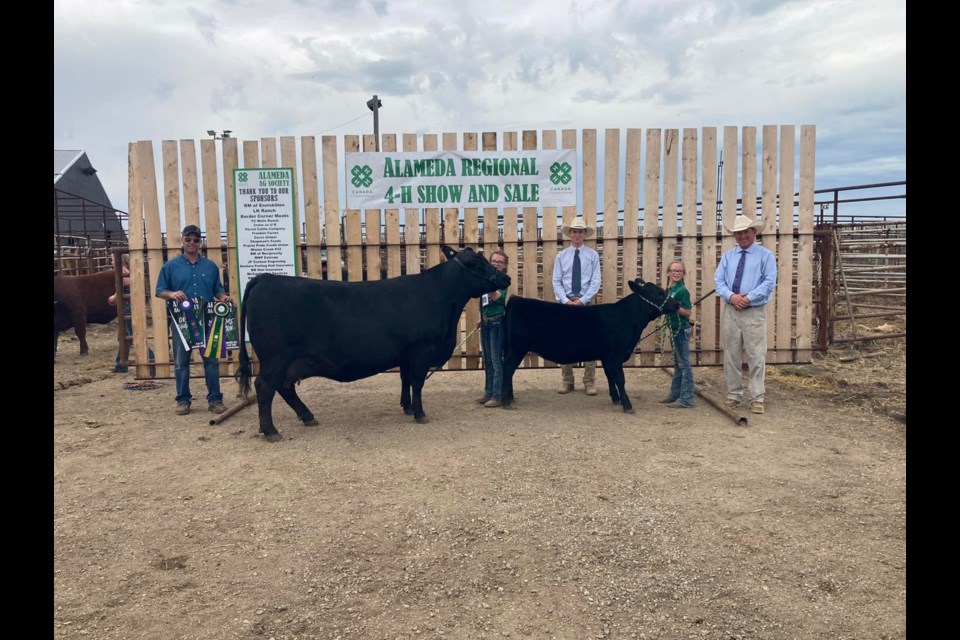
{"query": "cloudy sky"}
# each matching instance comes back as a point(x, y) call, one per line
point(166, 69)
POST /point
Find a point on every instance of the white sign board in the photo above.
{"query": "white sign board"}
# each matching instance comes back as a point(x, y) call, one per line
point(264, 219)
point(390, 180)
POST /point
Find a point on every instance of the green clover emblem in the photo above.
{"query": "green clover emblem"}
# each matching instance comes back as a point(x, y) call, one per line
point(560, 172)
point(242, 176)
point(361, 176)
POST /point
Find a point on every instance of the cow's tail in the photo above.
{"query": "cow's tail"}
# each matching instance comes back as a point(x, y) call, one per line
point(244, 372)
point(505, 341)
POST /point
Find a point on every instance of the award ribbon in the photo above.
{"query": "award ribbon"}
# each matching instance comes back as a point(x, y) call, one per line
point(216, 345)
point(196, 332)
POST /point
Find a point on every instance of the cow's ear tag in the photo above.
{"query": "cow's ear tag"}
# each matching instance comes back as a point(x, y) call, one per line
point(448, 252)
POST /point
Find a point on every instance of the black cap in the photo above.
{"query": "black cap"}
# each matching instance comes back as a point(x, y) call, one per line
point(191, 228)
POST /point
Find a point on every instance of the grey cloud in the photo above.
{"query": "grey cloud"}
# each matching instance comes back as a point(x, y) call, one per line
point(205, 23)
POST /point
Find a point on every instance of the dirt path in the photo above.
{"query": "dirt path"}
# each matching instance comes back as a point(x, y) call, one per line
point(562, 519)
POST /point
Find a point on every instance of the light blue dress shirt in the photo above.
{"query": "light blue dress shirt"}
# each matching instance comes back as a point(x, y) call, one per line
point(589, 274)
point(759, 274)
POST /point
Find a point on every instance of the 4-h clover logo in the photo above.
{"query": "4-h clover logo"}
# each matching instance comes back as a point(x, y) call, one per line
point(560, 172)
point(242, 176)
point(361, 176)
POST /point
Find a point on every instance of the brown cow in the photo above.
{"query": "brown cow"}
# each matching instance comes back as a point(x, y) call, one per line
point(79, 300)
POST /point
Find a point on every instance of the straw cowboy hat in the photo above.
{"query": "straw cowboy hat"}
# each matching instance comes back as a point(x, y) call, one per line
point(742, 223)
point(578, 223)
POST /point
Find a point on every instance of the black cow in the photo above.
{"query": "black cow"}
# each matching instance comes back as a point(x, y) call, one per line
point(567, 334)
point(302, 327)
point(79, 300)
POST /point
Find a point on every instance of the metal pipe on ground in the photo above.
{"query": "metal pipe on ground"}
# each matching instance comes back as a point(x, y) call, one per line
point(252, 398)
point(713, 402)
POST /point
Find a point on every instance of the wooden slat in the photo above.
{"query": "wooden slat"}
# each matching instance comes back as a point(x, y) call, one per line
point(268, 153)
point(230, 160)
point(331, 207)
point(706, 315)
point(689, 250)
point(138, 291)
point(671, 156)
point(568, 140)
point(668, 245)
point(748, 172)
point(451, 236)
point(188, 170)
point(311, 207)
point(251, 155)
point(491, 215)
point(729, 192)
point(171, 192)
point(765, 212)
point(471, 239)
point(549, 228)
point(211, 199)
point(211, 217)
point(432, 215)
point(631, 206)
point(631, 214)
point(411, 224)
point(780, 244)
point(530, 259)
point(651, 229)
point(588, 169)
point(372, 219)
point(352, 226)
point(146, 196)
point(689, 162)
point(288, 158)
point(808, 147)
point(392, 220)
point(510, 223)
point(609, 269)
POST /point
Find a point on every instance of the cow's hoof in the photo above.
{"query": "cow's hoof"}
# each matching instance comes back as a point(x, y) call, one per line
point(509, 407)
point(312, 422)
point(408, 412)
point(422, 420)
point(630, 411)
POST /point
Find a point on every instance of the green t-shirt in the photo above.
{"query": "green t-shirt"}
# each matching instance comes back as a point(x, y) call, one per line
point(496, 307)
point(679, 291)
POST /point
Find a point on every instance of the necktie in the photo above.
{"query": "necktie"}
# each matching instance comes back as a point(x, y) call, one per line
point(737, 278)
point(575, 274)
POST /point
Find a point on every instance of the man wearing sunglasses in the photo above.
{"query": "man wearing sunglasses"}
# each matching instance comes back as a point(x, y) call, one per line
point(190, 275)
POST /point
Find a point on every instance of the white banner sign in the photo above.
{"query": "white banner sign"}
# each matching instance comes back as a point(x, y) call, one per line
point(266, 236)
point(389, 180)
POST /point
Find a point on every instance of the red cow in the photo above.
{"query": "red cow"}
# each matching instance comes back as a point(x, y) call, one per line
point(79, 300)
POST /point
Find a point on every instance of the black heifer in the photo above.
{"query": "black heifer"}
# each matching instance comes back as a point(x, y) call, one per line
point(301, 328)
point(566, 334)
point(79, 300)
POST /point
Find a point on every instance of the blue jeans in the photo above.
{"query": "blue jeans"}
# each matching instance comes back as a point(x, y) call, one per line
point(491, 340)
point(181, 372)
point(120, 368)
point(681, 388)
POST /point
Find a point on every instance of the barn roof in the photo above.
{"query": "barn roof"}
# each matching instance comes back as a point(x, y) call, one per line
point(63, 159)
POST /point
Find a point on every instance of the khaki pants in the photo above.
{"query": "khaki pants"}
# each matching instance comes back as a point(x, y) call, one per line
point(744, 331)
point(589, 373)
point(589, 370)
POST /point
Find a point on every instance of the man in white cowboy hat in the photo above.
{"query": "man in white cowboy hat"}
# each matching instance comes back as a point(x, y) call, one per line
point(576, 280)
point(745, 279)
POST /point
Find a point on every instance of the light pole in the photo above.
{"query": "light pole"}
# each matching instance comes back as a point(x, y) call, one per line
point(374, 105)
point(226, 134)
